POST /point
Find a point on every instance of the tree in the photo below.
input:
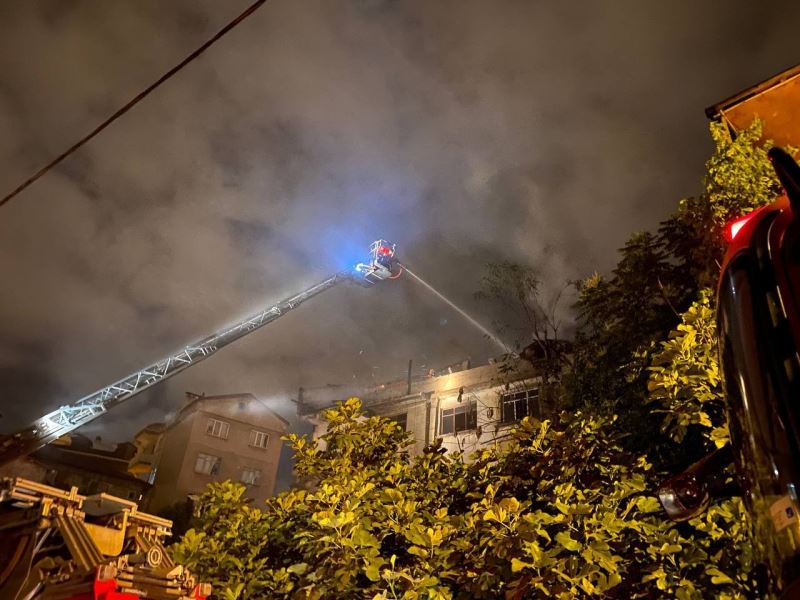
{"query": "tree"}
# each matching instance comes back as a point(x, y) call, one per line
point(564, 508)
point(622, 319)
point(181, 514)
point(685, 376)
point(739, 179)
point(619, 319)
point(530, 318)
point(560, 510)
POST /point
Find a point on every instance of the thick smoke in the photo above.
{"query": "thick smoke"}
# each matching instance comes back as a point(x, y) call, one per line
point(466, 131)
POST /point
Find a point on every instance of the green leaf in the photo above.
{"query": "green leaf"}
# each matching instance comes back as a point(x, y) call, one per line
point(648, 504)
point(518, 565)
point(297, 569)
point(563, 539)
point(717, 576)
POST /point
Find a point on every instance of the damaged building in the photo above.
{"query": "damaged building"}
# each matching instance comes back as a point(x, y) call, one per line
point(467, 406)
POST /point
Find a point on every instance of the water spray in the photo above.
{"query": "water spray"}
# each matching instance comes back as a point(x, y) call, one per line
point(384, 265)
point(459, 310)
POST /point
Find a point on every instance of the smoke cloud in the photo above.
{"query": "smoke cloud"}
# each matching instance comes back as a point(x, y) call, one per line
point(465, 131)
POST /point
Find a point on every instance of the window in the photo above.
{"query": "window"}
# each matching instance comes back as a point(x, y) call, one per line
point(250, 476)
point(207, 464)
point(217, 429)
point(518, 405)
point(459, 418)
point(258, 439)
point(401, 420)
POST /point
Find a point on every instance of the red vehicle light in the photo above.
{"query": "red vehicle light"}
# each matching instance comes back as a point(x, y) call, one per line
point(735, 226)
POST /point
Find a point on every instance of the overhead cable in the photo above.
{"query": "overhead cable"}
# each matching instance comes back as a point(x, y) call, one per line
point(133, 102)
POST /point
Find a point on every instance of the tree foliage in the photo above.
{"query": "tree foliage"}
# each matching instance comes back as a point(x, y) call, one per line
point(685, 376)
point(622, 319)
point(739, 179)
point(529, 318)
point(181, 515)
point(561, 511)
point(619, 318)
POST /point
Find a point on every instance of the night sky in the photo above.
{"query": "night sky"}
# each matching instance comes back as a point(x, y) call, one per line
point(465, 131)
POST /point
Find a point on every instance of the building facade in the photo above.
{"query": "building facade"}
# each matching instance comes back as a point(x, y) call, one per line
point(468, 408)
point(88, 465)
point(212, 438)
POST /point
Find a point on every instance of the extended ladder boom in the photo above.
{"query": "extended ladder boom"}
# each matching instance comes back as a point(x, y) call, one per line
point(68, 418)
point(382, 265)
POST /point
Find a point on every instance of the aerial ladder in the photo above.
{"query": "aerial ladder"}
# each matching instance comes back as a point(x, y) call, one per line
point(57, 544)
point(382, 264)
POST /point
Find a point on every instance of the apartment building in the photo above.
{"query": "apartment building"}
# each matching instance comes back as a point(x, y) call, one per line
point(467, 407)
point(212, 438)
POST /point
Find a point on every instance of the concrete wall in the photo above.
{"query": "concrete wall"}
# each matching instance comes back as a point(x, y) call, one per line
point(176, 476)
point(27, 468)
point(170, 461)
point(483, 386)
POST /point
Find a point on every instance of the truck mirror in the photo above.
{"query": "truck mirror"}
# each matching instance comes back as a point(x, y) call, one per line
point(683, 497)
point(789, 175)
point(688, 494)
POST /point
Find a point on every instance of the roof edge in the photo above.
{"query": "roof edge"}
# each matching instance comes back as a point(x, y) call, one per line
point(714, 111)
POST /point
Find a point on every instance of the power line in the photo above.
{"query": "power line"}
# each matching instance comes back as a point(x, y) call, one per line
point(134, 101)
